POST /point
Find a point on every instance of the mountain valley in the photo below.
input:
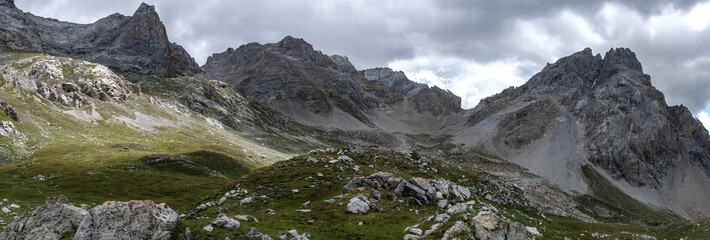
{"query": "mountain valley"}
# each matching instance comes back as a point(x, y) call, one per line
point(102, 123)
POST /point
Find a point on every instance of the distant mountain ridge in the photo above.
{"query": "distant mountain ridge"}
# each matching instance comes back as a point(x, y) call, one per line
point(317, 89)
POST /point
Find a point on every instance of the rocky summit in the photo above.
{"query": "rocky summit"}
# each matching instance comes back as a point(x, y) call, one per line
point(137, 43)
point(282, 141)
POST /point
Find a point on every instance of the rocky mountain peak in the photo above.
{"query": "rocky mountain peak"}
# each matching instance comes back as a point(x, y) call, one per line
point(7, 3)
point(144, 8)
point(292, 43)
point(137, 44)
point(627, 127)
point(622, 57)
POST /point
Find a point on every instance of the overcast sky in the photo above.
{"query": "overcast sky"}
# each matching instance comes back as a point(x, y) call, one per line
point(475, 48)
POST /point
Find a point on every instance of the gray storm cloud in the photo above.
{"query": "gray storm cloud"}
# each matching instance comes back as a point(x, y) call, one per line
point(481, 34)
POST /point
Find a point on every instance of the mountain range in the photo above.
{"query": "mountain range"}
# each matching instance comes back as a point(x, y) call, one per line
point(587, 148)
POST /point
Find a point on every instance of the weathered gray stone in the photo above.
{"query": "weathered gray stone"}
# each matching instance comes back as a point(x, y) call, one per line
point(138, 219)
point(254, 234)
point(488, 226)
point(459, 228)
point(225, 222)
point(358, 205)
point(417, 188)
point(49, 221)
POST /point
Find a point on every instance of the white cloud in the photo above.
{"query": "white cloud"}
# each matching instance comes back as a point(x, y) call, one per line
point(704, 117)
point(470, 80)
point(699, 17)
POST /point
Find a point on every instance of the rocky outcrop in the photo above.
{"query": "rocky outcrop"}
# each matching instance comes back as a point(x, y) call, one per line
point(626, 127)
point(419, 189)
point(52, 220)
point(344, 63)
point(9, 111)
point(138, 219)
point(437, 101)
point(66, 81)
point(394, 79)
point(7, 129)
point(137, 44)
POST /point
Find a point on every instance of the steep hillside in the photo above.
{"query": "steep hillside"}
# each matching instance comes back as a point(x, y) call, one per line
point(585, 109)
point(76, 128)
point(137, 43)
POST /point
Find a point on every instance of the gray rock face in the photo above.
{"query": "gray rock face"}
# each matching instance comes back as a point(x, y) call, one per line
point(627, 128)
point(9, 111)
point(66, 81)
point(437, 101)
point(419, 189)
point(49, 221)
point(396, 80)
point(119, 220)
point(489, 226)
point(344, 63)
point(137, 44)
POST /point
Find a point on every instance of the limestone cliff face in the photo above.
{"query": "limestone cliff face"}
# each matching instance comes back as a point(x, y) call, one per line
point(137, 44)
point(625, 126)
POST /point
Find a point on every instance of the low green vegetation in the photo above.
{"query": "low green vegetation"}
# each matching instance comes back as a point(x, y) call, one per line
point(272, 188)
point(94, 154)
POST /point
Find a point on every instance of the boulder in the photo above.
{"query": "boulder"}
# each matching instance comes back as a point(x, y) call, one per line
point(417, 188)
point(384, 180)
point(225, 222)
point(442, 218)
point(518, 231)
point(359, 204)
point(375, 195)
point(256, 235)
point(457, 229)
point(345, 159)
point(246, 200)
point(138, 219)
point(488, 226)
point(49, 221)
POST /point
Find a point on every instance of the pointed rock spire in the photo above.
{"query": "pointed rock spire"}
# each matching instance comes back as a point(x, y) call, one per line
point(144, 8)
